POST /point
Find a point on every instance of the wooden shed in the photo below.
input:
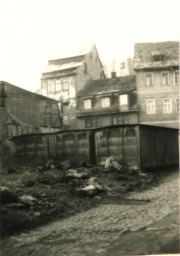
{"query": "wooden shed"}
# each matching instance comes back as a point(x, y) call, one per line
point(140, 146)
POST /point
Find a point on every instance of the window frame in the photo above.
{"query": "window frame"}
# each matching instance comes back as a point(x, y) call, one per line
point(85, 101)
point(167, 78)
point(147, 107)
point(58, 84)
point(147, 73)
point(167, 112)
point(176, 83)
point(65, 81)
point(97, 122)
point(103, 105)
point(124, 106)
point(177, 105)
point(50, 85)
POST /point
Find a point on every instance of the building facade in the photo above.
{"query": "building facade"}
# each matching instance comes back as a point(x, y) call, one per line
point(24, 113)
point(64, 77)
point(107, 102)
point(122, 67)
point(157, 80)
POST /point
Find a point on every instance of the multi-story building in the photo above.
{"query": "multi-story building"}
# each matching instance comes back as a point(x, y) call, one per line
point(122, 67)
point(64, 77)
point(157, 80)
point(106, 102)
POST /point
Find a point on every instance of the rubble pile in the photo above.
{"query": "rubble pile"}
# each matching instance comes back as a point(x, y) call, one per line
point(33, 196)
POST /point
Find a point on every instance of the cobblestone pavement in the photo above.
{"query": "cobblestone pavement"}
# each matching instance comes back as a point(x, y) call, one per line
point(91, 232)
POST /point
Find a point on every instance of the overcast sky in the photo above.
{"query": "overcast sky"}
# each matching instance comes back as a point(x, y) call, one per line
point(33, 31)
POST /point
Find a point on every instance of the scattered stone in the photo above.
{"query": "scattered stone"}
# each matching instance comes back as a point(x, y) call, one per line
point(112, 163)
point(71, 173)
point(37, 214)
point(28, 200)
point(88, 191)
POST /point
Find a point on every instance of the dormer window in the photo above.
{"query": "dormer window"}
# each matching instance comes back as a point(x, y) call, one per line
point(123, 102)
point(157, 56)
point(105, 102)
point(87, 104)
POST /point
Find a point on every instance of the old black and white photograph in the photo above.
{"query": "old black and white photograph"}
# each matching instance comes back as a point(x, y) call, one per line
point(89, 127)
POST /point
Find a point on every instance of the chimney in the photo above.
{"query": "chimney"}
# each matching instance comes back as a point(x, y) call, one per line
point(113, 74)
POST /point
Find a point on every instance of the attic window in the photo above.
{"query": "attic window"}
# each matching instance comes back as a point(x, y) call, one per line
point(158, 57)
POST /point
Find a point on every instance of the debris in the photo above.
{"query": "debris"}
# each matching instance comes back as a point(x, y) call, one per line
point(112, 163)
point(7, 196)
point(71, 173)
point(65, 165)
point(88, 191)
point(28, 200)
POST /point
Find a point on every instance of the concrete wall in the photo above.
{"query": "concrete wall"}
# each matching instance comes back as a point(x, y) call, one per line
point(157, 91)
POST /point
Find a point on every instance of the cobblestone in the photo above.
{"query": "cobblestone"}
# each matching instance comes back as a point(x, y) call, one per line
point(90, 233)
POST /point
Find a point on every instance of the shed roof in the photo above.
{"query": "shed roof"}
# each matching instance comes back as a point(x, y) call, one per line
point(143, 54)
point(110, 85)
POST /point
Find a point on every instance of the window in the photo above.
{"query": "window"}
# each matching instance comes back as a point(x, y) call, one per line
point(50, 86)
point(85, 68)
point(122, 65)
point(87, 104)
point(158, 57)
point(105, 102)
point(177, 104)
point(177, 77)
point(149, 79)
point(58, 85)
point(122, 119)
point(167, 106)
point(65, 84)
point(123, 101)
point(89, 123)
point(151, 108)
point(165, 78)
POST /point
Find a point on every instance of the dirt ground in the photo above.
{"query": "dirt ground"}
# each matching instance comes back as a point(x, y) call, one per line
point(56, 197)
point(140, 222)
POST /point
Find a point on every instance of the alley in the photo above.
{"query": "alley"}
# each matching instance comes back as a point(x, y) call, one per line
point(95, 231)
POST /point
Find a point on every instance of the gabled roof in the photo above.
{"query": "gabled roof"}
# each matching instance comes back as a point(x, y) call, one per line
point(110, 85)
point(143, 54)
point(72, 59)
